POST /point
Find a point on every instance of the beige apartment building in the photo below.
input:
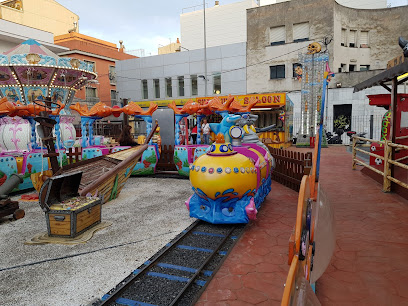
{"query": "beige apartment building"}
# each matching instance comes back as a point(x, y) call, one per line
point(45, 15)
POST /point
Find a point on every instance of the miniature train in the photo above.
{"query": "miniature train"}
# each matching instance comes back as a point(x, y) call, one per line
point(231, 180)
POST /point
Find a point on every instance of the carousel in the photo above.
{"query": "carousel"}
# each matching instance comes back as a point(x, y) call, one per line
point(31, 73)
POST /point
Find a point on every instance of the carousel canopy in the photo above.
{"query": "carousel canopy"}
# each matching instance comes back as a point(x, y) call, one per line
point(30, 71)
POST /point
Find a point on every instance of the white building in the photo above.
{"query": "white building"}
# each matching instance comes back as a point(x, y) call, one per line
point(225, 24)
point(181, 75)
point(12, 34)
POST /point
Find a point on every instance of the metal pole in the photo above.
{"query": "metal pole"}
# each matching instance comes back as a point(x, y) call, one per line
point(205, 55)
point(394, 128)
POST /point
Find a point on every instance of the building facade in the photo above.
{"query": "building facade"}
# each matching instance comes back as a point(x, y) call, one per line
point(361, 43)
point(225, 24)
point(45, 15)
point(181, 75)
point(102, 55)
point(13, 34)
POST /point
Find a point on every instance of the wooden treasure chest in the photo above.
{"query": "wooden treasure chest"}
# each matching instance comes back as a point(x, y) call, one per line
point(68, 214)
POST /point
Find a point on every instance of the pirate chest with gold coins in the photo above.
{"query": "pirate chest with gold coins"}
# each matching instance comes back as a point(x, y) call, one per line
point(67, 214)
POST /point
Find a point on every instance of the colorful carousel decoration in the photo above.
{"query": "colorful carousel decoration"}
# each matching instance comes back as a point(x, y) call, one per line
point(30, 72)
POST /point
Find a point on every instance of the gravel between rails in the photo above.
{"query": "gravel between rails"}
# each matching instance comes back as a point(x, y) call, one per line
point(148, 214)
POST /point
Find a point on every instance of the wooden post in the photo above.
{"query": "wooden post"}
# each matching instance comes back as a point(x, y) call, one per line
point(394, 127)
point(387, 171)
point(125, 117)
point(354, 153)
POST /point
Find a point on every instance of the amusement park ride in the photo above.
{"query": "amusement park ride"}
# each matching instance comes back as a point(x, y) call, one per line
point(230, 177)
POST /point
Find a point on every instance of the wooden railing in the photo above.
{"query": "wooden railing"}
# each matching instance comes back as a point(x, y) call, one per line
point(290, 167)
point(300, 255)
point(386, 173)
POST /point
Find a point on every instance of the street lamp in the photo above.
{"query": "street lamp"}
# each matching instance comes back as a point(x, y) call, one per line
point(205, 53)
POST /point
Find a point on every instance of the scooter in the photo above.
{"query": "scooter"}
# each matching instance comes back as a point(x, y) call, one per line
point(351, 133)
point(335, 139)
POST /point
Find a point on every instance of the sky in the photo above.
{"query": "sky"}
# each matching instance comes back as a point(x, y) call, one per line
point(140, 24)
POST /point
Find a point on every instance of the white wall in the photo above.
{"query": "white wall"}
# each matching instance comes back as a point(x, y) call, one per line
point(12, 34)
point(364, 4)
point(219, 59)
point(225, 24)
point(361, 4)
point(361, 110)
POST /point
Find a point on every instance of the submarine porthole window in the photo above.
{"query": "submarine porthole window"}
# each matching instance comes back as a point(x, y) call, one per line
point(212, 148)
point(204, 208)
point(228, 211)
point(223, 148)
point(236, 170)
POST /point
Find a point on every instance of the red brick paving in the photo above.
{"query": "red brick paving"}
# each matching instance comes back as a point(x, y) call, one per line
point(369, 266)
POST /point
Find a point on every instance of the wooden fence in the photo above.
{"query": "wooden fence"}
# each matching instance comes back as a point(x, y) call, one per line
point(74, 155)
point(290, 167)
point(386, 174)
point(166, 160)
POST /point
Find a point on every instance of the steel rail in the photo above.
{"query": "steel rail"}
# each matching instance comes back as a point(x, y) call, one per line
point(201, 268)
point(119, 291)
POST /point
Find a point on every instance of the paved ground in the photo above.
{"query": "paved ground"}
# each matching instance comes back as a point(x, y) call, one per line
point(147, 214)
point(257, 268)
point(369, 266)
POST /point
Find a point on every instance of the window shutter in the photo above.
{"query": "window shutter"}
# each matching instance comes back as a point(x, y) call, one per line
point(277, 34)
point(352, 37)
point(364, 38)
point(343, 37)
point(301, 30)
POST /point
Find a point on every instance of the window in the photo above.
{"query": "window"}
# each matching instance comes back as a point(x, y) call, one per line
point(112, 75)
point(156, 83)
point(217, 83)
point(277, 72)
point(343, 37)
point(301, 32)
point(364, 67)
point(91, 94)
point(194, 86)
point(114, 97)
point(352, 38)
point(364, 39)
point(169, 88)
point(145, 91)
point(297, 70)
point(92, 64)
point(181, 86)
point(352, 68)
point(277, 35)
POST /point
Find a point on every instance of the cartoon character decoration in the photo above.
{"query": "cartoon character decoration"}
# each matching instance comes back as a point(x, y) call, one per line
point(224, 126)
point(299, 72)
point(157, 138)
point(282, 116)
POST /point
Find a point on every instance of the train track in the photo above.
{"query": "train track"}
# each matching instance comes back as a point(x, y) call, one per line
point(178, 273)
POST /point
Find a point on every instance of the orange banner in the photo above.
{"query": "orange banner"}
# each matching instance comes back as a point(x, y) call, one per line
point(265, 100)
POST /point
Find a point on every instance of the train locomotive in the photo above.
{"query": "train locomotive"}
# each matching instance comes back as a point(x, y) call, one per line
point(231, 180)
